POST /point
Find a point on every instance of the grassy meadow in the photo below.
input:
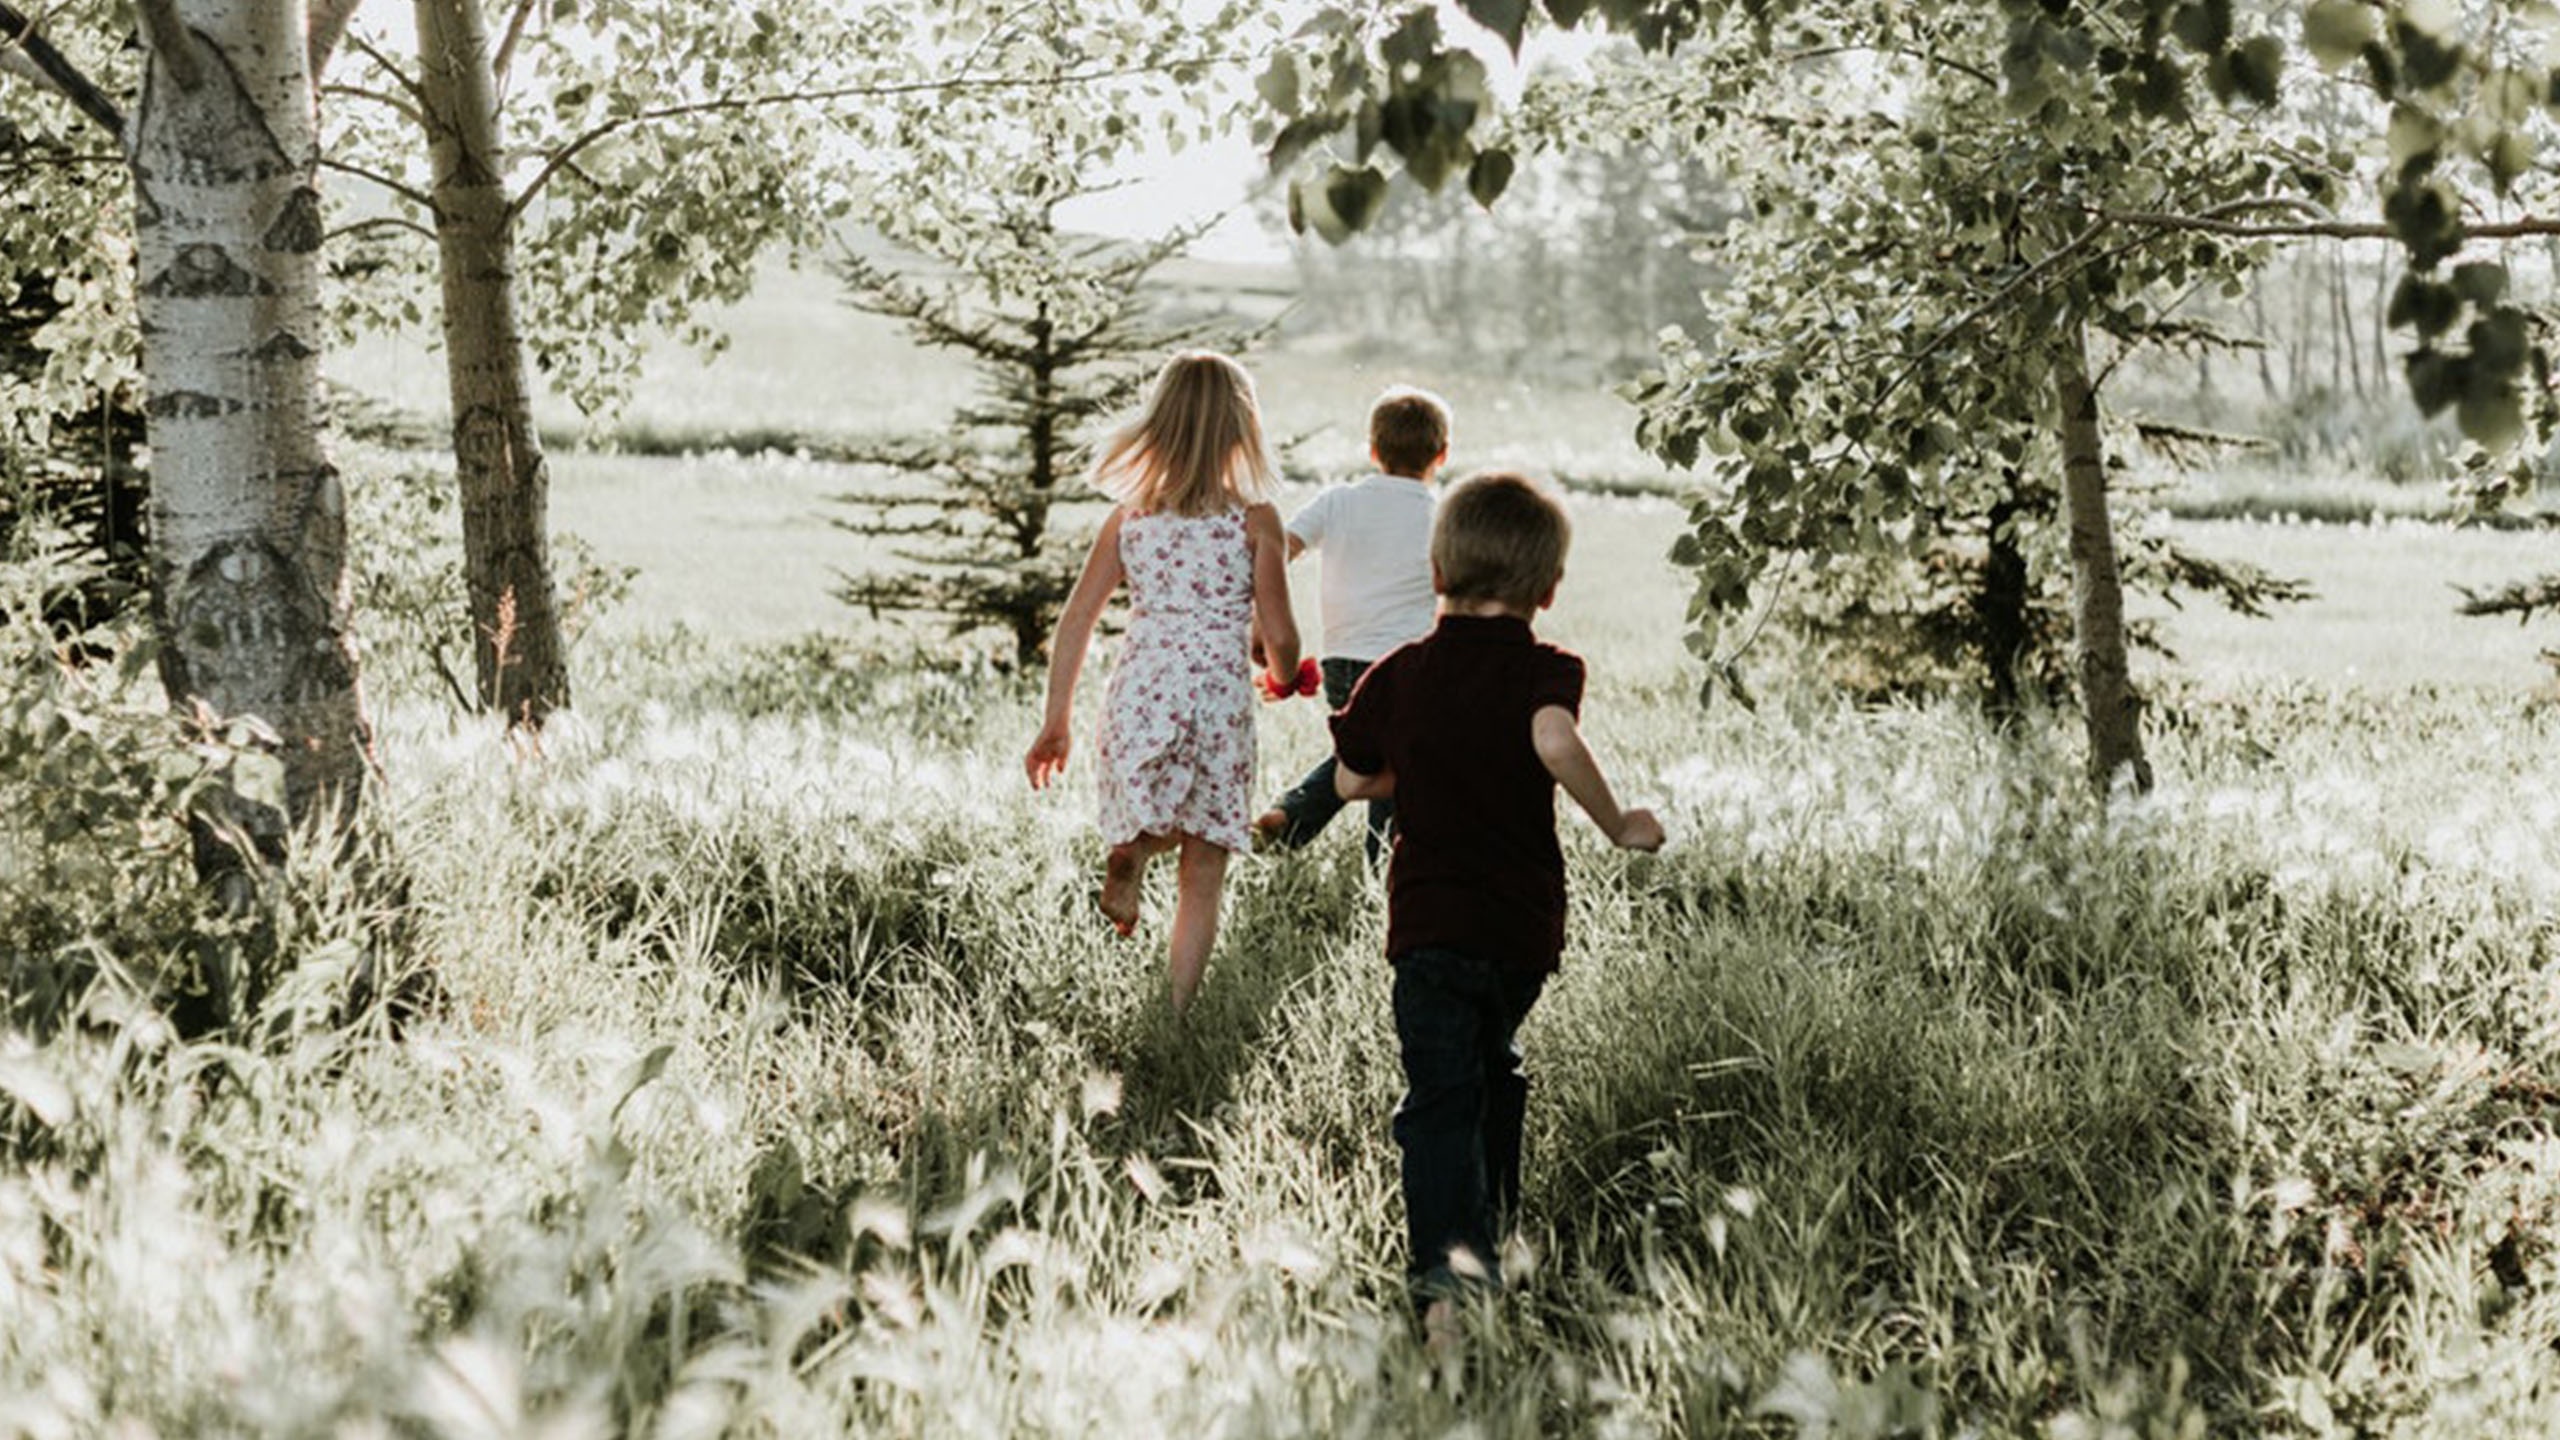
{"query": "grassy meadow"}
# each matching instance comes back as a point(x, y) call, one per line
point(776, 1076)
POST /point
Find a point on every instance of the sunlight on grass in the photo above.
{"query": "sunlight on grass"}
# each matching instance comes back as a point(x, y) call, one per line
point(782, 1079)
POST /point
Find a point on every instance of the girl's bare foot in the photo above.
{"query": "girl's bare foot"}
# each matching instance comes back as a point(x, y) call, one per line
point(1121, 870)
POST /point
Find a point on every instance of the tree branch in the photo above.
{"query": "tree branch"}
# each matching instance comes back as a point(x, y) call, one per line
point(507, 45)
point(379, 222)
point(1999, 297)
point(378, 97)
point(1926, 57)
point(944, 86)
point(170, 41)
point(2529, 227)
point(414, 196)
point(328, 26)
point(20, 42)
point(391, 67)
point(63, 160)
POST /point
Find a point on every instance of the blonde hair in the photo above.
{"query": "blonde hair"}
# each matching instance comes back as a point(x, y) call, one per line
point(1197, 448)
point(1408, 430)
point(1499, 536)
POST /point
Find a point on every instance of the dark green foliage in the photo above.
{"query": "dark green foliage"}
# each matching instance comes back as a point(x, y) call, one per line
point(105, 804)
point(86, 479)
point(971, 512)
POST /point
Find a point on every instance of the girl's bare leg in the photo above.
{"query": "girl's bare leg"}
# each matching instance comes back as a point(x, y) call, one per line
point(1122, 871)
point(1195, 916)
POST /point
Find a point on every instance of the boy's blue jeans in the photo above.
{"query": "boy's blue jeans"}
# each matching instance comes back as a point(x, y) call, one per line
point(1311, 804)
point(1464, 1106)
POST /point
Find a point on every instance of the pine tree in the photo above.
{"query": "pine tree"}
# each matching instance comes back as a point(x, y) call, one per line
point(973, 509)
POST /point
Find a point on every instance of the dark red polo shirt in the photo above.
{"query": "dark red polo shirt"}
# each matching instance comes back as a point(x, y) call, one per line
point(1476, 867)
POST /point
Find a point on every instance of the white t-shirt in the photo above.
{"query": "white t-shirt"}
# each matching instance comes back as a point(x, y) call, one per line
point(1376, 537)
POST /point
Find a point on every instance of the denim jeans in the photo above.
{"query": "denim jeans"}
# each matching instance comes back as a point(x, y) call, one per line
point(1312, 803)
point(1464, 1105)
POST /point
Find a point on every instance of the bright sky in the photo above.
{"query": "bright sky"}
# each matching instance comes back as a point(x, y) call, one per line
point(1168, 189)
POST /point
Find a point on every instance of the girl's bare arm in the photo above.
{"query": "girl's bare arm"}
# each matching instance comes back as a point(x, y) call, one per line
point(1076, 622)
point(1273, 622)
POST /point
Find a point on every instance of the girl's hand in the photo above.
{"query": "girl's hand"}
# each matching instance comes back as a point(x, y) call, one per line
point(1048, 758)
point(1310, 680)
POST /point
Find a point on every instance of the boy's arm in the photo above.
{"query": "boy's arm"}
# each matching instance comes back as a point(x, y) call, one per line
point(1306, 528)
point(1360, 768)
point(1558, 740)
point(1350, 784)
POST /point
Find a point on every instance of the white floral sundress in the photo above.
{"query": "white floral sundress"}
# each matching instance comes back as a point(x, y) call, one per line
point(1176, 743)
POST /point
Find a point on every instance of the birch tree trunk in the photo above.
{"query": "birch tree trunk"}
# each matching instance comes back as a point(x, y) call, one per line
point(248, 522)
point(518, 657)
point(2112, 708)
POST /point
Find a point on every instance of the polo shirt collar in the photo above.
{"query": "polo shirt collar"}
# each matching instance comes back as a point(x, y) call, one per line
point(1383, 479)
point(1491, 629)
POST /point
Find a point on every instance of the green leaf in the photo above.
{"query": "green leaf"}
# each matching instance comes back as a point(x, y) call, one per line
point(2256, 66)
point(2507, 96)
point(2427, 219)
point(2436, 379)
point(1405, 122)
point(2203, 26)
point(1355, 195)
point(1489, 176)
point(1437, 158)
point(2481, 282)
point(2412, 134)
point(2427, 306)
point(2159, 87)
point(1414, 42)
point(2427, 60)
point(1568, 13)
point(1295, 137)
point(2500, 342)
point(1506, 18)
point(2495, 422)
point(2433, 18)
point(2381, 69)
point(1278, 83)
point(2510, 157)
point(648, 1068)
point(2334, 30)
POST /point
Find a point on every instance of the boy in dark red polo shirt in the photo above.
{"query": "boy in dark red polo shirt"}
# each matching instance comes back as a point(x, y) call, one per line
point(1470, 730)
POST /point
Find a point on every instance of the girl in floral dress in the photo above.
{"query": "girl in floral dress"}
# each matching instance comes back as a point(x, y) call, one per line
point(1197, 541)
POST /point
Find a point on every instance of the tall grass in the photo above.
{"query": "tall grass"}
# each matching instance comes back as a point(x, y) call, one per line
point(783, 1081)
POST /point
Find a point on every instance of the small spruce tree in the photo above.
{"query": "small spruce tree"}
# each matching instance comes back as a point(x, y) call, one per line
point(976, 189)
point(973, 509)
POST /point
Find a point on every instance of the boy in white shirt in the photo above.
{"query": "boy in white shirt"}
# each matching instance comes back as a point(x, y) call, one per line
point(1376, 594)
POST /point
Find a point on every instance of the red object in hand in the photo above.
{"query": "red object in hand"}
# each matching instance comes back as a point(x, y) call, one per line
point(1310, 680)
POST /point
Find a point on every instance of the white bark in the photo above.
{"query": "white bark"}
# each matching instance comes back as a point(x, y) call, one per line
point(248, 522)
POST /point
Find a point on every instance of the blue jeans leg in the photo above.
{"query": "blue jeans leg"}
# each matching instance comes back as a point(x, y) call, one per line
point(1465, 1104)
point(1311, 804)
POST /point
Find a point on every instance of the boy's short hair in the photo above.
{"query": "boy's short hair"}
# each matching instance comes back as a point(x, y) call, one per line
point(1499, 536)
point(1409, 429)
